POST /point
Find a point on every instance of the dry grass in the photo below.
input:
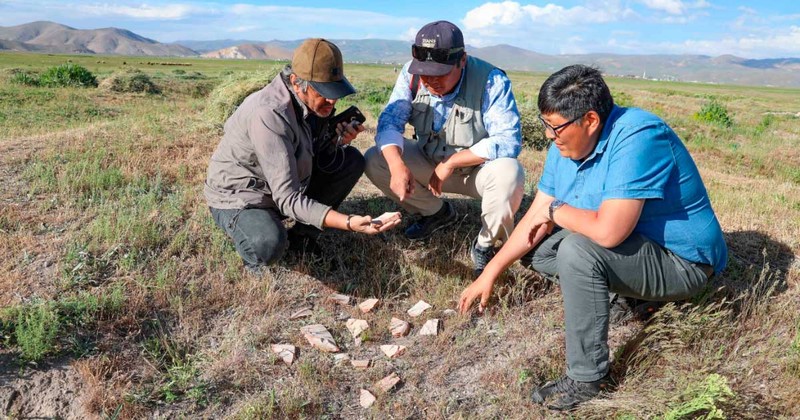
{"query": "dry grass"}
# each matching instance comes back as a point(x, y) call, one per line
point(113, 204)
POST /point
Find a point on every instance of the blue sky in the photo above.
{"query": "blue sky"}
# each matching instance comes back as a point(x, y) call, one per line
point(764, 29)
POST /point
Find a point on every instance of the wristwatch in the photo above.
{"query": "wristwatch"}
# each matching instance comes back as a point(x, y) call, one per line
point(554, 205)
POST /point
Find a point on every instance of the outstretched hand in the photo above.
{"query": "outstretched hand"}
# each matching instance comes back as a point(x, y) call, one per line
point(365, 224)
point(480, 289)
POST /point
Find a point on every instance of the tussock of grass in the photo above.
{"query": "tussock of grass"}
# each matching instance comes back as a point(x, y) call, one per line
point(129, 81)
point(229, 94)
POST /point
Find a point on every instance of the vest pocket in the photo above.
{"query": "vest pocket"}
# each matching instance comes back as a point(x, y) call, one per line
point(461, 126)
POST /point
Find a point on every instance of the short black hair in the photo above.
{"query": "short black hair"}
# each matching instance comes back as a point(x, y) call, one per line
point(575, 90)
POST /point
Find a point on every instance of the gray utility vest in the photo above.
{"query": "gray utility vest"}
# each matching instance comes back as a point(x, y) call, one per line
point(464, 126)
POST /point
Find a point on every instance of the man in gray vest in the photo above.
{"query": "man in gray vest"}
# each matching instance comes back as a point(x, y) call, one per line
point(466, 140)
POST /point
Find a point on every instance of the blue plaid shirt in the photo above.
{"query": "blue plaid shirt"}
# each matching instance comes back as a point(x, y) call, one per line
point(499, 108)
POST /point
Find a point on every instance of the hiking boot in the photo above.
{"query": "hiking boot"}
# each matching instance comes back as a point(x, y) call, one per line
point(566, 393)
point(426, 225)
point(480, 257)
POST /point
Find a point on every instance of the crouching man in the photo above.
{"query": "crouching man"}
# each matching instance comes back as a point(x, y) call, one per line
point(276, 162)
point(621, 207)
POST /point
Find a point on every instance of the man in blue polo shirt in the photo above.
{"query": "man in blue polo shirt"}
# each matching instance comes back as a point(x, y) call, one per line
point(621, 208)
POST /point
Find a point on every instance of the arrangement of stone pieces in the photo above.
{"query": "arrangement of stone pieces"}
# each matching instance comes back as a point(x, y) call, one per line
point(418, 308)
point(319, 336)
point(285, 351)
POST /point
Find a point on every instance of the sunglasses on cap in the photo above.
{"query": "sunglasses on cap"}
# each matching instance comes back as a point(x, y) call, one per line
point(439, 55)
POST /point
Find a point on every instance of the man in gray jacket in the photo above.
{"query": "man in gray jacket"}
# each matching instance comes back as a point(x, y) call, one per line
point(274, 161)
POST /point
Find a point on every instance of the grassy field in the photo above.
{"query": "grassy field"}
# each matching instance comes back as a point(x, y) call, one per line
point(120, 298)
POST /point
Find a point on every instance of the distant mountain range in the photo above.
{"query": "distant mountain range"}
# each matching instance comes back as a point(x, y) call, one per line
point(49, 37)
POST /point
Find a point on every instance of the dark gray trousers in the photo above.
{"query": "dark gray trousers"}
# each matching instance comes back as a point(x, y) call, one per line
point(258, 234)
point(638, 268)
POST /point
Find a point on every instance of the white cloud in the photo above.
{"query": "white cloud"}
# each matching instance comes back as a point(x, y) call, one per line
point(244, 28)
point(409, 35)
point(510, 13)
point(673, 7)
point(781, 43)
point(144, 11)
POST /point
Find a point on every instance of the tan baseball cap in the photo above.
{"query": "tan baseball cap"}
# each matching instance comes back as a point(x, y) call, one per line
point(319, 62)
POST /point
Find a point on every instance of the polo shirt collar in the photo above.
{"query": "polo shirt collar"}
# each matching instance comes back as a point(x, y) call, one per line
point(602, 141)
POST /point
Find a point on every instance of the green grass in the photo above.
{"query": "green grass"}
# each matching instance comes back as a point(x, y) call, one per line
point(111, 254)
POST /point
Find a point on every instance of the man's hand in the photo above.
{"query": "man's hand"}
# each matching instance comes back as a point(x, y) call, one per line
point(347, 132)
point(440, 174)
point(363, 224)
point(481, 289)
point(402, 181)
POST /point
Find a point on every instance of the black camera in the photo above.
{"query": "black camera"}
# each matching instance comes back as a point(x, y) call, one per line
point(351, 115)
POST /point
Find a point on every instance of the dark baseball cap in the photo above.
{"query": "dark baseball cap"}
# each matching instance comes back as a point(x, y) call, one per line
point(438, 47)
point(320, 62)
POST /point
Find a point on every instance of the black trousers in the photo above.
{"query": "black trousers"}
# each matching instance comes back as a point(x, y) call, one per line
point(258, 234)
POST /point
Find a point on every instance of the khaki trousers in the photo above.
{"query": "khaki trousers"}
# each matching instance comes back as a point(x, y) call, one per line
point(498, 183)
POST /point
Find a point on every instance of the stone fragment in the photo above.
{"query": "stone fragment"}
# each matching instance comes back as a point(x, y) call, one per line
point(418, 308)
point(300, 313)
point(339, 299)
point(431, 327)
point(360, 364)
point(368, 305)
point(356, 326)
point(387, 383)
point(340, 358)
point(319, 337)
point(285, 351)
point(398, 327)
point(385, 217)
point(393, 350)
point(448, 312)
point(366, 399)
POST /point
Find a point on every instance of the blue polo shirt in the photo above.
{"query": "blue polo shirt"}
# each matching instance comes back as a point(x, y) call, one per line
point(639, 157)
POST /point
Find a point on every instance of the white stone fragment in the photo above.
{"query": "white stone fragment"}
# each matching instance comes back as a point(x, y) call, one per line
point(393, 350)
point(356, 326)
point(431, 327)
point(300, 313)
point(388, 382)
point(285, 351)
point(368, 305)
point(339, 299)
point(398, 327)
point(366, 399)
point(319, 337)
point(418, 308)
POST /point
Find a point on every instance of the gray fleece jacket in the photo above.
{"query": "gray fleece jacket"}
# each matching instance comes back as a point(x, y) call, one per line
point(265, 157)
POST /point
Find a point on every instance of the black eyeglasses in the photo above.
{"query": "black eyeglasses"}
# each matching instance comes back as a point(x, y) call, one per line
point(439, 55)
point(554, 129)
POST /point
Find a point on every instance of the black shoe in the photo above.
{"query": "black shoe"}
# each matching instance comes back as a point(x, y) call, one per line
point(620, 309)
point(426, 225)
point(566, 393)
point(624, 308)
point(480, 257)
